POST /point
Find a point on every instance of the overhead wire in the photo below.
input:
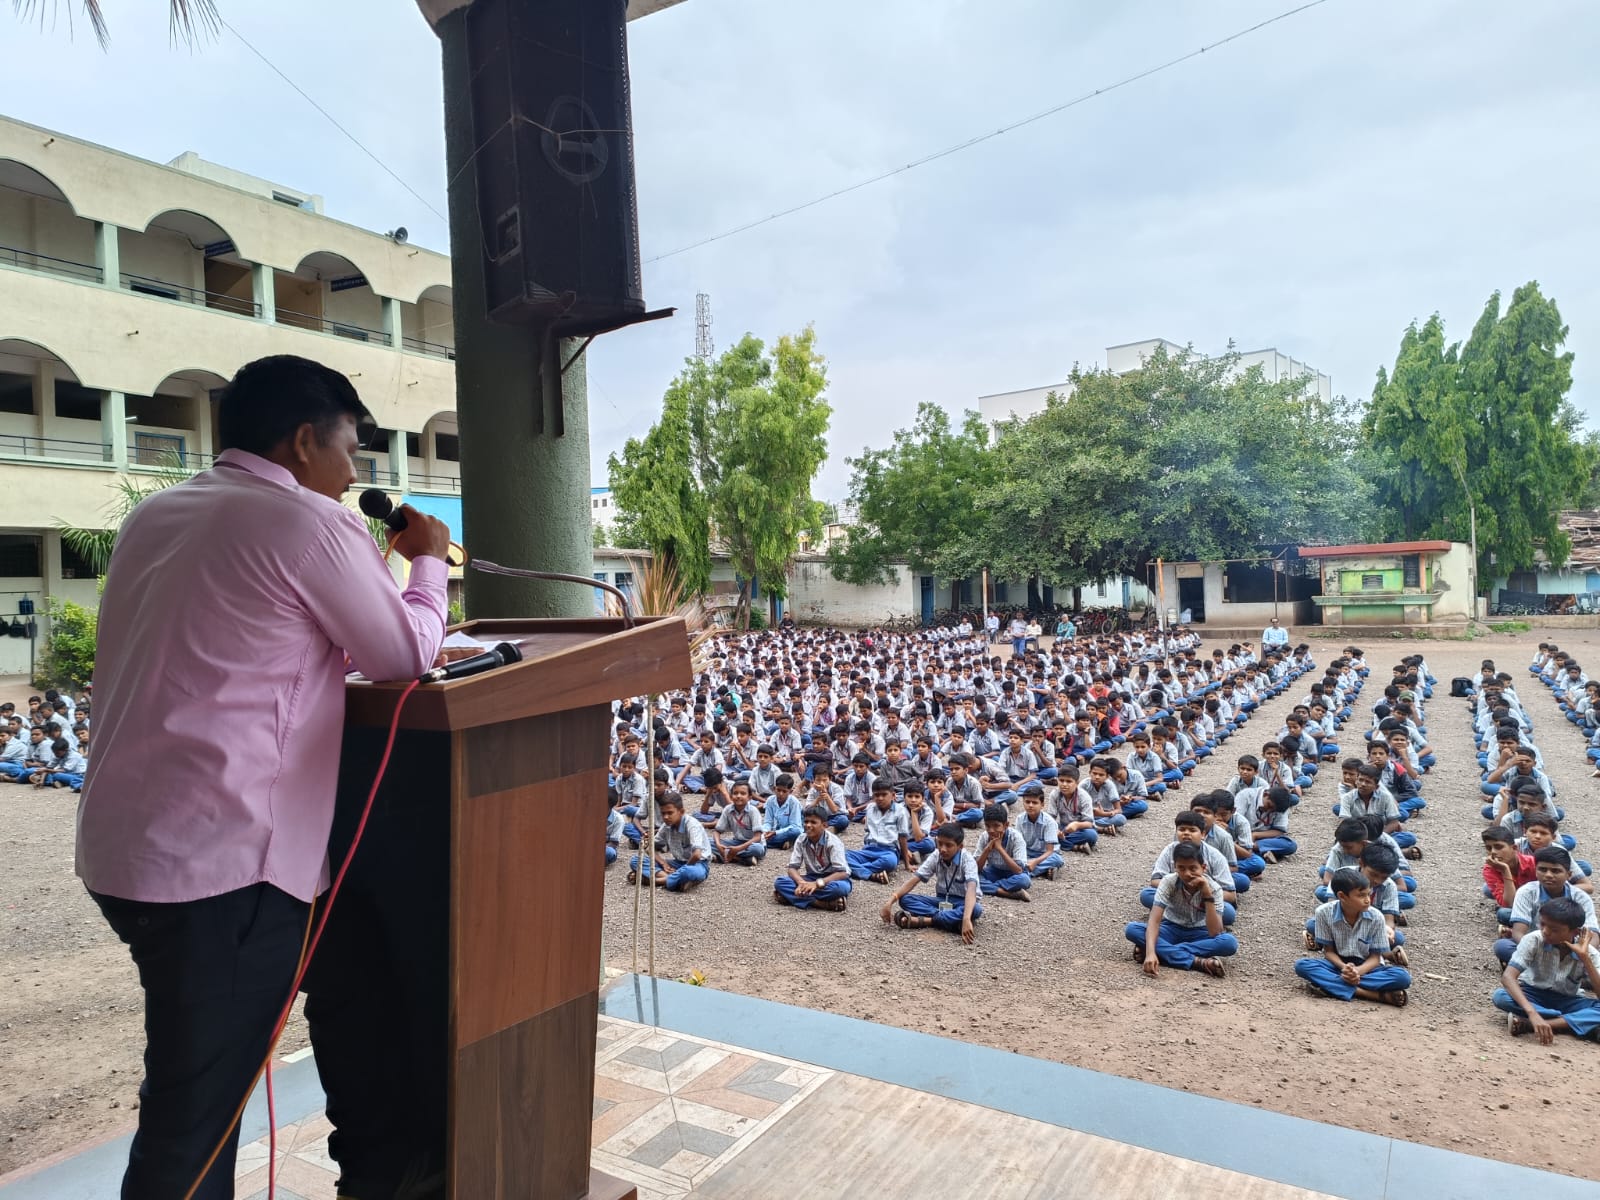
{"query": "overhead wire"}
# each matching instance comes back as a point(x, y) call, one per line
point(979, 139)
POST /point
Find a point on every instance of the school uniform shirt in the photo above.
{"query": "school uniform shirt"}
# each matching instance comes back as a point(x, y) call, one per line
point(1103, 797)
point(764, 780)
point(1038, 837)
point(858, 788)
point(1369, 935)
point(1147, 764)
point(1386, 897)
point(1011, 840)
point(968, 791)
point(1220, 840)
point(1216, 865)
point(898, 775)
point(950, 879)
point(985, 742)
point(1020, 765)
point(700, 760)
point(737, 827)
point(1068, 805)
point(614, 826)
point(1530, 899)
point(825, 856)
point(1183, 907)
point(677, 844)
point(1551, 967)
point(632, 789)
point(779, 814)
point(886, 828)
point(1338, 860)
point(15, 751)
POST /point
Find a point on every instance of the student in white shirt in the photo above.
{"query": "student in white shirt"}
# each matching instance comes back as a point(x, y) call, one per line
point(954, 904)
point(817, 875)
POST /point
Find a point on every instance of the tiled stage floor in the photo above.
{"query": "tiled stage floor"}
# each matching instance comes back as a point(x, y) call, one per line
point(713, 1096)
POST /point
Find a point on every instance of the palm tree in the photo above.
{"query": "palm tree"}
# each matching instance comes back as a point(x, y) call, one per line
point(94, 546)
point(191, 19)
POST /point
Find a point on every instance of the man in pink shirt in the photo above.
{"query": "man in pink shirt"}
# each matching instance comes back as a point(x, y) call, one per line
point(232, 606)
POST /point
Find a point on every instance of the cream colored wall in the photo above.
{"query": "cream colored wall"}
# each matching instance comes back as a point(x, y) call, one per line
point(121, 341)
point(59, 233)
point(357, 306)
point(1453, 582)
point(104, 185)
point(160, 255)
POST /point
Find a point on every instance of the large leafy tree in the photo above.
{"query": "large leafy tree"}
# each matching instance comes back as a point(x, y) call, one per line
point(1487, 424)
point(1187, 457)
point(732, 457)
point(913, 500)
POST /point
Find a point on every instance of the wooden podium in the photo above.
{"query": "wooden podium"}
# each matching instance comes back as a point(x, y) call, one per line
point(482, 871)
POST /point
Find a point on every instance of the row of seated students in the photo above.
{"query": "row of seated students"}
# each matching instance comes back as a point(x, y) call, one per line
point(915, 813)
point(48, 745)
point(1356, 950)
point(1541, 892)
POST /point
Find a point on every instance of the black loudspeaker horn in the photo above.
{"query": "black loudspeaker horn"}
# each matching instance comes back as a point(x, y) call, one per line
point(552, 133)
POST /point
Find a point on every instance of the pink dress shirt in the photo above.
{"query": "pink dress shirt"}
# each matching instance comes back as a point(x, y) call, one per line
point(231, 602)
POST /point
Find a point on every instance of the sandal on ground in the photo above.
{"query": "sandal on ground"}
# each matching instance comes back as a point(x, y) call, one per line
point(1311, 942)
point(1211, 966)
point(1395, 999)
point(879, 877)
point(1414, 853)
point(1517, 1024)
point(1398, 957)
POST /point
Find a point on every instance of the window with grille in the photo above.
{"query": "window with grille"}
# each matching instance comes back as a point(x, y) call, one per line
point(1412, 566)
point(1372, 583)
point(21, 556)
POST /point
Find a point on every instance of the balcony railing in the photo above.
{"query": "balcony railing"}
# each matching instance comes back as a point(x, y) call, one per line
point(18, 445)
point(163, 289)
point(29, 261)
point(434, 483)
point(421, 346)
point(356, 333)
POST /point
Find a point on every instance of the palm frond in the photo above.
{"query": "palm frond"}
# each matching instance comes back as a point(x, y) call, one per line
point(94, 546)
point(190, 20)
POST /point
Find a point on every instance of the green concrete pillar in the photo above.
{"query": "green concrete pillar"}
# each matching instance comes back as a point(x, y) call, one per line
point(114, 429)
point(108, 254)
point(262, 291)
point(391, 320)
point(525, 489)
point(399, 462)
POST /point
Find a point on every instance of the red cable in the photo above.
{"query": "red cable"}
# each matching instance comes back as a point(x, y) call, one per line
point(327, 909)
point(300, 971)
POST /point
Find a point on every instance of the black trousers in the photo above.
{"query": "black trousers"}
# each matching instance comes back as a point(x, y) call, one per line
point(215, 973)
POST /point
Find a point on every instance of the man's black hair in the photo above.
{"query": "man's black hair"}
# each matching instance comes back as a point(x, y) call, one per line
point(272, 397)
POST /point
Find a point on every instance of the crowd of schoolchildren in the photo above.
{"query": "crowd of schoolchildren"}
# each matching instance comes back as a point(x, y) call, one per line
point(925, 740)
point(1542, 892)
point(48, 746)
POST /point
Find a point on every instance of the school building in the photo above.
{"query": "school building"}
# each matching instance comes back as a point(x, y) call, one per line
point(130, 291)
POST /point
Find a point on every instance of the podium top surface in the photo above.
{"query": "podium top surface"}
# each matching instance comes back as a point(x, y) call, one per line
point(565, 664)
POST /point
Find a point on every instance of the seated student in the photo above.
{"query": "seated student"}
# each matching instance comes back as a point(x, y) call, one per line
point(1539, 831)
point(954, 904)
point(1019, 766)
point(737, 837)
point(1002, 857)
point(13, 755)
point(822, 792)
point(1070, 805)
point(1161, 747)
point(1379, 863)
point(1531, 802)
point(857, 786)
point(1041, 834)
point(1270, 828)
point(681, 850)
point(781, 814)
point(965, 796)
point(1149, 766)
point(1185, 929)
point(1402, 785)
point(817, 875)
point(691, 777)
point(1295, 763)
point(1251, 864)
point(1552, 866)
point(1219, 839)
point(1353, 938)
point(1104, 799)
point(65, 769)
point(1130, 789)
point(763, 779)
point(660, 785)
point(1505, 869)
point(1349, 840)
point(1522, 773)
point(1544, 973)
point(1368, 796)
point(614, 825)
point(919, 824)
point(35, 753)
point(632, 788)
point(887, 833)
point(713, 796)
point(1190, 828)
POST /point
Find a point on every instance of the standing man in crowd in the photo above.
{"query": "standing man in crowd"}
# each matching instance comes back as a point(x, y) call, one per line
point(234, 604)
point(1274, 636)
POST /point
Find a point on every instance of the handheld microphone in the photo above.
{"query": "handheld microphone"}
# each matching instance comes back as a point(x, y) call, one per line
point(502, 655)
point(376, 504)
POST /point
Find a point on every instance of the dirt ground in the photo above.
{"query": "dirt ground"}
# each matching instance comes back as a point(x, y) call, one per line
point(1051, 979)
point(1054, 979)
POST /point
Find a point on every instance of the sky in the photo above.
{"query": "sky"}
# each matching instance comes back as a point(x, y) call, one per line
point(1314, 186)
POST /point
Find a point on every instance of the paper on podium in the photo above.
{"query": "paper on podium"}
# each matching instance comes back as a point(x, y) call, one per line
point(465, 641)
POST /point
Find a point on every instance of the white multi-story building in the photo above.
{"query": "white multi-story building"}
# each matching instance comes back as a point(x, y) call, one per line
point(1130, 356)
point(131, 291)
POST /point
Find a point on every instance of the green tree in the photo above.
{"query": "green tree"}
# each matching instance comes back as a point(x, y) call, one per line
point(1487, 424)
point(914, 499)
point(734, 452)
point(68, 658)
point(1186, 457)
